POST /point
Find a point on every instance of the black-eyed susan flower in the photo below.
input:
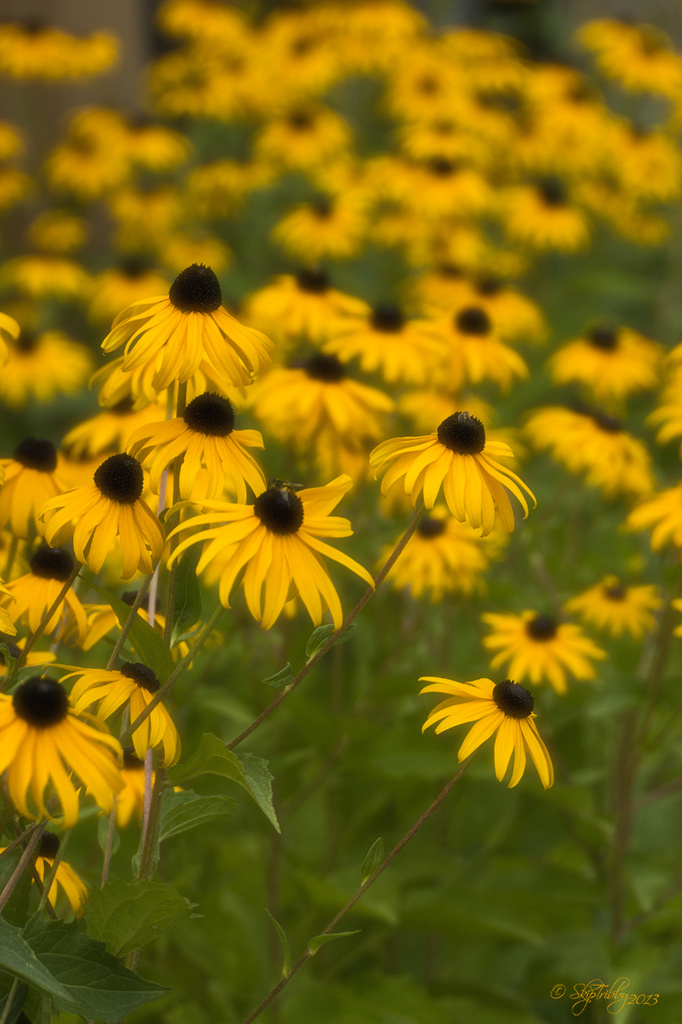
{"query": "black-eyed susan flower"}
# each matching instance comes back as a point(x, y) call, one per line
point(543, 216)
point(42, 365)
point(387, 341)
point(43, 743)
point(32, 477)
point(639, 57)
point(66, 879)
point(133, 687)
point(110, 507)
point(611, 362)
point(204, 438)
point(540, 648)
point(74, 888)
point(41, 276)
point(306, 404)
point(276, 542)
point(119, 287)
point(9, 331)
point(457, 458)
point(34, 659)
point(186, 327)
point(35, 593)
point(301, 306)
point(58, 231)
point(475, 352)
point(442, 557)
point(594, 443)
point(504, 708)
point(304, 137)
point(328, 228)
point(662, 514)
point(617, 607)
point(513, 316)
point(42, 52)
point(110, 429)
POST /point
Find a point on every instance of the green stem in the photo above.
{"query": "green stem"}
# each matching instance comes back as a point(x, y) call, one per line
point(25, 860)
point(369, 593)
point(179, 669)
point(359, 892)
point(127, 626)
point(35, 636)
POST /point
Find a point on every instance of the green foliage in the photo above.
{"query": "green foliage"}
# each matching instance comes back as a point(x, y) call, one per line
point(187, 810)
point(148, 644)
point(128, 915)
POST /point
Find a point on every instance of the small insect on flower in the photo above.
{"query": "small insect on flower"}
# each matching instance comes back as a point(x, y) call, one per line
point(504, 708)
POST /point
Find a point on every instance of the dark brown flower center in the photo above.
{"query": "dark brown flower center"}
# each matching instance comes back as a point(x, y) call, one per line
point(388, 318)
point(430, 527)
point(462, 433)
point(604, 338)
point(52, 564)
point(279, 509)
point(196, 290)
point(120, 478)
point(513, 700)
point(41, 702)
point(609, 424)
point(325, 368)
point(141, 674)
point(552, 192)
point(313, 280)
point(36, 453)
point(473, 320)
point(542, 627)
point(210, 414)
point(130, 761)
point(615, 592)
point(48, 845)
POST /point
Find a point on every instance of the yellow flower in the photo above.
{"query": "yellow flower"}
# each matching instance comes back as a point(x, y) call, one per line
point(133, 687)
point(442, 557)
point(276, 542)
point(542, 217)
point(32, 476)
point(326, 229)
point(203, 437)
point(110, 507)
point(475, 352)
point(617, 608)
point(539, 648)
point(36, 592)
point(110, 429)
point(505, 708)
point(387, 341)
point(9, 331)
point(6, 619)
point(58, 231)
point(305, 137)
point(301, 306)
point(42, 742)
point(43, 52)
point(611, 362)
point(120, 287)
point(42, 365)
point(187, 327)
point(662, 513)
point(457, 458)
point(131, 798)
point(45, 276)
point(72, 885)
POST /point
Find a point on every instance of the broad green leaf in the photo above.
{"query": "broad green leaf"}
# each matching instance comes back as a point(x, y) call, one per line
point(259, 785)
point(187, 602)
point(93, 983)
point(148, 644)
point(18, 998)
point(16, 908)
point(372, 860)
point(286, 966)
point(280, 679)
point(319, 637)
point(17, 957)
point(319, 940)
point(213, 758)
point(183, 811)
point(127, 915)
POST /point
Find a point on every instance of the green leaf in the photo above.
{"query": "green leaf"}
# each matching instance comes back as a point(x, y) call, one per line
point(213, 758)
point(280, 679)
point(372, 860)
point(259, 785)
point(187, 602)
point(17, 957)
point(91, 981)
point(320, 940)
point(286, 966)
point(18, 999)
point(148, 644)
point(186, 810)
point(7, 658)
point(128, 915)
point(319, 637)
